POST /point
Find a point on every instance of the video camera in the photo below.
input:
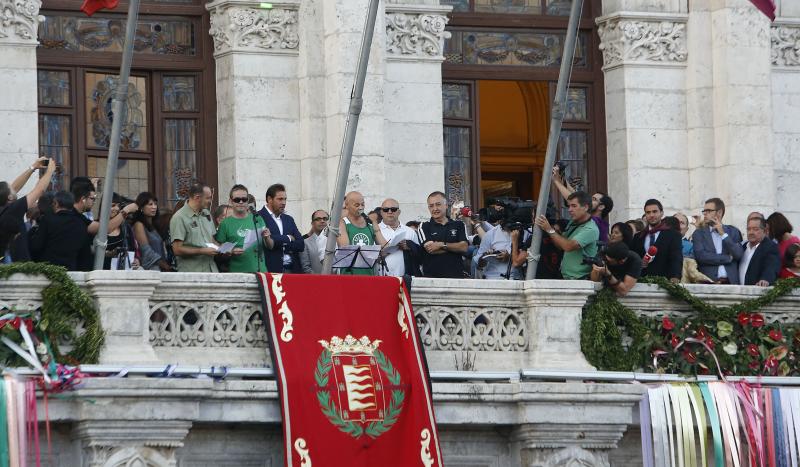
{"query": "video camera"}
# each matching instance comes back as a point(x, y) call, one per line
point(599, 260)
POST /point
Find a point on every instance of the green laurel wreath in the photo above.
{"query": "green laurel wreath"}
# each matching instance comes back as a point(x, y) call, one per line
point(374, 429)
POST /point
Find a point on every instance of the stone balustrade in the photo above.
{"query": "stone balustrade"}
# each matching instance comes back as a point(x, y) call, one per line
point(488, 326)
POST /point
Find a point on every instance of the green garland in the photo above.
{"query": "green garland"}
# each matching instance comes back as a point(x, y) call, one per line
point(606, 321)
point(63, 306)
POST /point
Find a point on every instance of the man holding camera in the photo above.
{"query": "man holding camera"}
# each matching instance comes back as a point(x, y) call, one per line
point(618, 268)
point(494, 254)
point(579, 239)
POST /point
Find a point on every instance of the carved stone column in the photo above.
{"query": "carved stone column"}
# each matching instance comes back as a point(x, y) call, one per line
point(415, 36)
point(257, 93)
point(644, 60)
point(785, 57)
point(122, 299)
point(107, 443)
point(19, 147)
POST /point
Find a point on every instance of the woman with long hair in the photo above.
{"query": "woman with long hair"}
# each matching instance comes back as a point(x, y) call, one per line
point(151, 244)
point(780, 230)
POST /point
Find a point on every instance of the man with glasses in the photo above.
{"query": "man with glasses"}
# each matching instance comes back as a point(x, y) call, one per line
point(398, 260)
point(247, 232)
point(717, 247)
point(312, 255)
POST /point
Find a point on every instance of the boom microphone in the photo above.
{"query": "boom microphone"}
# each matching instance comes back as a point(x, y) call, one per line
point(650, 255)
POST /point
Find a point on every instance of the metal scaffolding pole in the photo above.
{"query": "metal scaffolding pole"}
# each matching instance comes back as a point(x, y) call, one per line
point(348, 142)
point(118, 111)
point(556, 118)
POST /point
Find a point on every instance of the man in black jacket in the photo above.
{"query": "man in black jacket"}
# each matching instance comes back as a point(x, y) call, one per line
point(760, 261)
point(668, 258)
point(284, 256)
point(61, 236)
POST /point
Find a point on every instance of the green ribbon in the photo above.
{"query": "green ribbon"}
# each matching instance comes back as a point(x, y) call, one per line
point(713, 418)
point(4, 460)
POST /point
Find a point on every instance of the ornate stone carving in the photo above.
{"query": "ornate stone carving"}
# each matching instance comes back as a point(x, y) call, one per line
point(571, 456)
point(640, 40)
point(207, 324)
point(125, 443)
point(243, 29)
point(415, 35)
point(785, 49)
point(19, 21)
point(480, 329)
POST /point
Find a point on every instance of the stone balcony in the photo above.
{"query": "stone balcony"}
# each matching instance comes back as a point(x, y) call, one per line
point(479, 335)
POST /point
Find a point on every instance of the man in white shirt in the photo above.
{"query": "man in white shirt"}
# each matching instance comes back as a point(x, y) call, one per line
point(391, 227)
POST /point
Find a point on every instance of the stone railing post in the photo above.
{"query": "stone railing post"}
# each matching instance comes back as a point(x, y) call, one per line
point(122, 299)
point(556, 308)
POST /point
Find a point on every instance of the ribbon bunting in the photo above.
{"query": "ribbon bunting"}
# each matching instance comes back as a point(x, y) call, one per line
point(750, 425)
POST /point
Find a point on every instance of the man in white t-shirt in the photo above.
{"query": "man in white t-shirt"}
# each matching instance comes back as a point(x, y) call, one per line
point(390, 228)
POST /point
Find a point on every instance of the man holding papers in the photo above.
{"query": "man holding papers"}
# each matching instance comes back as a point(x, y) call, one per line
point(401, 240)
point(245, 234)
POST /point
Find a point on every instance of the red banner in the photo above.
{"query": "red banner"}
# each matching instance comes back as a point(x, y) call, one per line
point(351, 372)
point(766, 6)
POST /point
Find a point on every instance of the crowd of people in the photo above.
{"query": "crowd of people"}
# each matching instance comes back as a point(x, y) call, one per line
point(59, 228)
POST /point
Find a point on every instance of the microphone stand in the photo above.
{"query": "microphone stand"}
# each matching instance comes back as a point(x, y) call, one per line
point(260, 253)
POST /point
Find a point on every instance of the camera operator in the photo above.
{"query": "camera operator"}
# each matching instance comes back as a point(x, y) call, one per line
point(579, 239)
point(618, 268)
point(494, 254)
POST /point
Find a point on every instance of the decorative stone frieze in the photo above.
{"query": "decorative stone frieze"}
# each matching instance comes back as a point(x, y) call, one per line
point(785, 50)
point(207, 324)
point(416, 32)
point(19, 21)
point(629, 38)
point(572, 456)
point(150, 443)
point(244, 28)
point(472, 328)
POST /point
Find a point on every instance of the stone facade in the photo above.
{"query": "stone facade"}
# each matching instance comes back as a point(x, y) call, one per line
point(700, 99)
point(479, 337)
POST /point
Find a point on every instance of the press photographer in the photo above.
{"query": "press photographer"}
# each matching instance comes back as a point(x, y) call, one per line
point(494, 255)
point(579, 239)
point(617, 267)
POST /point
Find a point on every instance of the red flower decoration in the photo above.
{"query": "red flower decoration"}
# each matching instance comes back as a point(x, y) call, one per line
point(756, 320)
point(701, 333)
point(771, 362)
point(15, 323)
point(753, 365)
point(752, 349)
point(691, 357)
point(743, 318)
point(3, 322)
point(710, 342)
point(29, 325)
point(674, 341)
point(667, 324)
point(776, 335)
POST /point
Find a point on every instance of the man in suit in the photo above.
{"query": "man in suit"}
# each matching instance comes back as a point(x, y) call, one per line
point(760, 261)
point(312, 255)
point(668, 260)
point(284, 256)
point(717, 247)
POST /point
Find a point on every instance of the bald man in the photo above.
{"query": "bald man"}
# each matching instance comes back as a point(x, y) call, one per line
point(398, 259)
point(354, 229)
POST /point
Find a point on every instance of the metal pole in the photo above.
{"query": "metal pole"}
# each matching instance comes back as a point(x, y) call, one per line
point(349, 136)
point(120, 96)
point(556, 118)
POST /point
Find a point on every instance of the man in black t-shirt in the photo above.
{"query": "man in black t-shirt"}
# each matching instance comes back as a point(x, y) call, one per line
point(13, 209)
point(444, 241)
point(621, 270)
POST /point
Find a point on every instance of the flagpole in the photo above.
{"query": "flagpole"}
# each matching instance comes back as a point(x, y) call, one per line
point(120, 96)
point(349, 136)
point(556, 118)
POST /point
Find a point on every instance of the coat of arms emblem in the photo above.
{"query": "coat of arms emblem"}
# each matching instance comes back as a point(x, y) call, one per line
point(359, 390)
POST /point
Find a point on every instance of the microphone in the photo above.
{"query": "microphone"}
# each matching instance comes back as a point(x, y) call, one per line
point(650, 255)
point(366, 218)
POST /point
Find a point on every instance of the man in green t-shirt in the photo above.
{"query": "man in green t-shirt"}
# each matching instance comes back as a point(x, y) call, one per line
point(247, 232)
point(356, 229)
point(579, 238)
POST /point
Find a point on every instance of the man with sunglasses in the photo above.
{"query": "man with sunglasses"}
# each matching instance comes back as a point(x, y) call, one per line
point(241, 227)
point(312, 255)
point(398, 259)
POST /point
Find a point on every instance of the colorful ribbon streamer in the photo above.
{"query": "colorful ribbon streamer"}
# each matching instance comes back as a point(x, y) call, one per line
point(750, 425)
